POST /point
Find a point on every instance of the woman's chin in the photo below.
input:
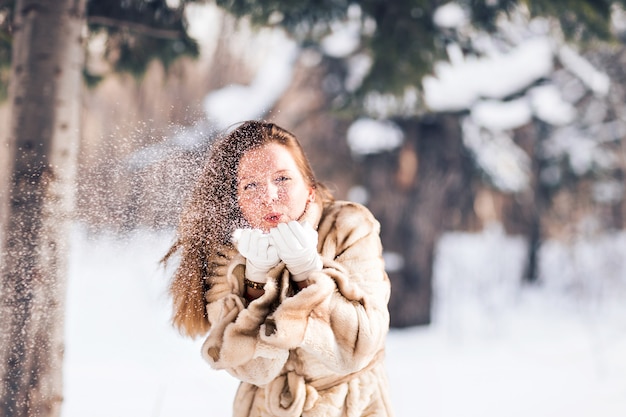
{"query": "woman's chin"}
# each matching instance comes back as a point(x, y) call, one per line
point(267, 226)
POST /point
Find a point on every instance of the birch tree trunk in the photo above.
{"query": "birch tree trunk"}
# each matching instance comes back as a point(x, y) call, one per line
point(43, 140)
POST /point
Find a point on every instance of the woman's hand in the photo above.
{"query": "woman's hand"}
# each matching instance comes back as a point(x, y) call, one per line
point(297, 247)
point(260, 254)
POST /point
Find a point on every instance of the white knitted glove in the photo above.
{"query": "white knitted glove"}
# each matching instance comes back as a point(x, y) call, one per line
point(297, 247)
point(260, 254)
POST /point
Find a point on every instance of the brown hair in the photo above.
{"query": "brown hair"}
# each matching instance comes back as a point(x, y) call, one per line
point(212, 214)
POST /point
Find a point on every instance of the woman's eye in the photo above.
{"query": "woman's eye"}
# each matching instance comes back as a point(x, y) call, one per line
point(282, 178)
point(249, 186)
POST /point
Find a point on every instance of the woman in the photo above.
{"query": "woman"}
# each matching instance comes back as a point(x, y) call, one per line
point(288, 283)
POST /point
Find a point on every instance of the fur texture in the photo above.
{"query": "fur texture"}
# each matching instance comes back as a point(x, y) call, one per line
point(313, 353)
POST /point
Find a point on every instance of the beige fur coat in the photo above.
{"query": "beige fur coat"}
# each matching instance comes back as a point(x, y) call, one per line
point(313, 353)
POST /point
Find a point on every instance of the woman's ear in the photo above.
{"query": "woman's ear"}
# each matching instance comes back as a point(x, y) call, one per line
point(311, 194)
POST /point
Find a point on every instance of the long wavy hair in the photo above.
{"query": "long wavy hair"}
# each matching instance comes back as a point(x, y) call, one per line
point(212, 213)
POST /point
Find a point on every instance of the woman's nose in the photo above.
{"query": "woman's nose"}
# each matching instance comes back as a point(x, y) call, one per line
point(271, 192)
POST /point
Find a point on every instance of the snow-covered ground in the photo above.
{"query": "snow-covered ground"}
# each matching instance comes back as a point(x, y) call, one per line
point(494, 350)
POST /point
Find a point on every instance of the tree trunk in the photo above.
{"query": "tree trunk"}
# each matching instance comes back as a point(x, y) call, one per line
point(529, 208)
point(417, 193)
point(44, 95)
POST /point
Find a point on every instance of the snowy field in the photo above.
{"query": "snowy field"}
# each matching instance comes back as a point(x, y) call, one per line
point(494, 350)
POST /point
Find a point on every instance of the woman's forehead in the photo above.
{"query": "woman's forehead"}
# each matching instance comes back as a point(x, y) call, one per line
point(269, 158)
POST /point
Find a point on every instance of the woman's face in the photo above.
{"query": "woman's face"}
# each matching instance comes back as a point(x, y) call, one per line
point(270, 187)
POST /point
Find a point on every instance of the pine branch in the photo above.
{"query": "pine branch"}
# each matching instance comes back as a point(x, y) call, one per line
point(135, 27)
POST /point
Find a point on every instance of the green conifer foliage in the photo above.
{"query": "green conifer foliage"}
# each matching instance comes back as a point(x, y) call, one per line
point(137, 31)
point(406, 43)
point(141, 31)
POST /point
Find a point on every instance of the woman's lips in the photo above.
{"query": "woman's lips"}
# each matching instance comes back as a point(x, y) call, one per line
point(273, 218)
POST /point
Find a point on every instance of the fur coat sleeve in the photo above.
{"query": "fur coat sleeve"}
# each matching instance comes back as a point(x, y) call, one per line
point(341, 318)
point(233, 343)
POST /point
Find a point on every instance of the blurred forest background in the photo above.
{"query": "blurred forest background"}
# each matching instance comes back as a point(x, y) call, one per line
point(537, 146)
point(435, 179)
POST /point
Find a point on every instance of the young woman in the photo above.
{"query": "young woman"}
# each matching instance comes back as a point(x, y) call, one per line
point(288, 283)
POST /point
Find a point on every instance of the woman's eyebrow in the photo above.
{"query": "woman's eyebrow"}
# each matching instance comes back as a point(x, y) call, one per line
point(251, 177)
point(247, 177)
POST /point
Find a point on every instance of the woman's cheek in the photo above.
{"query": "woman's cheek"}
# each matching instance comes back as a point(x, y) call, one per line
point(250, 213)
